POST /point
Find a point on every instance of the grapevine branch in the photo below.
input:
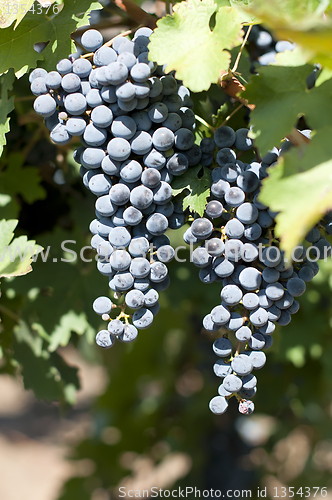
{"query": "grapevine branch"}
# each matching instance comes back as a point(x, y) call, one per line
point(241, 49)
point(135, 12)
point(232, 114)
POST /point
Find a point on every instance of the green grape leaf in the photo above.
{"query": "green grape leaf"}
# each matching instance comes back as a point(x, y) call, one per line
point(6, 106)
point(13, 10)
point(300, 188)
point(67, 287)
point(186, 44)
point(288, 12)
point(15, 255)
point(70, 322)
point(16, 179)
point(17, 47)
point(198, 187)
point(45, 373)
point(280, 95)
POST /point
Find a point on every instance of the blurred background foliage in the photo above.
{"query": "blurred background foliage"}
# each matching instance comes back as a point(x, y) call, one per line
point(145, 421)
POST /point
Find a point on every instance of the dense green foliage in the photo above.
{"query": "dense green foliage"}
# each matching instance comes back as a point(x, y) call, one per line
point(159, 386)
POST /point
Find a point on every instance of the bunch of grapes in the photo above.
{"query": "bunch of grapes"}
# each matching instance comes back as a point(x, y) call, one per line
point(136, 128)
point(238, 248)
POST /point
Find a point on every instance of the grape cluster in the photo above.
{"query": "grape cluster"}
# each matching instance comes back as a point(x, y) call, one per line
point(238, 248)
point(135, 125)
point(136, 128)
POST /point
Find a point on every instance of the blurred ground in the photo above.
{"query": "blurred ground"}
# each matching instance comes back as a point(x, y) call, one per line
point(36, 443)
point(35, 440)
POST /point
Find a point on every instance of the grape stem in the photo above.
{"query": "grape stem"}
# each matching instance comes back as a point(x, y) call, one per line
point(168, 7)
point(238, 347)
point(237, 60)
point(232, 114)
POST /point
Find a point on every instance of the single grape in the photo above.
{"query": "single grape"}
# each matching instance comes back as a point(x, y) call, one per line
point(231, 295)
point(223, 267)
point(105, 339)
point(234, 228)
point(243, 334)
point(116, 73)
point(102, 305)
point(250, 278)
point(222, 369)
point(202, 228)
point(157, 224)
point(177, 164)
point(224, 137)
point(104, 56)
point(242, 141)
point(141, 143)
point(129, 334)
point(134, 299)
point(222, 347)
point(234, 196)
point(119, 237)
point(184, 139)
point(142, 318)
point(162, 194)
point(246, 407)
point(71, 83)
point(242, 365)
point(232, 383)
point(201, 258)
point(91, 40)
point(158, 272)
point(44, 105)
point(94, 136)
point(296, 287)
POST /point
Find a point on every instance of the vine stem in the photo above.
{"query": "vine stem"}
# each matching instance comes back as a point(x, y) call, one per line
point(136, 12)
point(26, 98)
point(238, 347)
point(9, 313)
point(237, 60)
point(232, 114)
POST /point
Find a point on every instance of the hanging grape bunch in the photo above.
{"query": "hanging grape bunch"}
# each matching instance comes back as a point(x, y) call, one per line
point(136, 127)
point(238, 248)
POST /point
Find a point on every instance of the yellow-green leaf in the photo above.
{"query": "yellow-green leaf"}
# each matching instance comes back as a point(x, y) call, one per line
point(15, 256)
point(300, 188)
point(186, 44)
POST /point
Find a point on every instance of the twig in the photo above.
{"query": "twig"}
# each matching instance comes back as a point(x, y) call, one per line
point(232, 114)
point(168, 6)
point(9, 313)
point(26, 98)
point(108, 44)
point(135, 12)
point(238, 348)
point(232, 86)
point(298, 139)
point(237, 60)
